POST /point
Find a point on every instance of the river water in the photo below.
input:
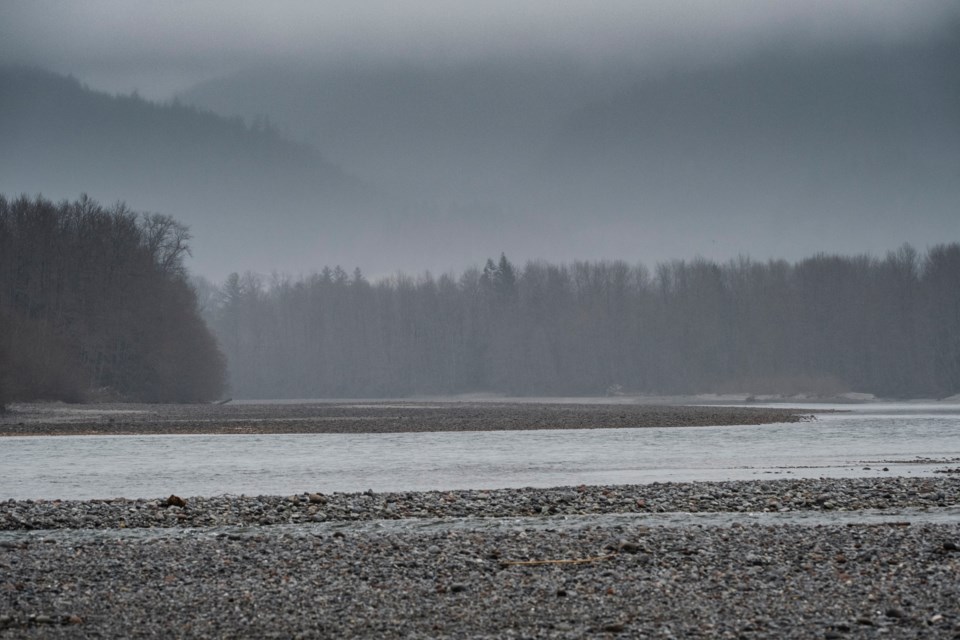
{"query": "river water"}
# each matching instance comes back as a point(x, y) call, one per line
point(869, 440)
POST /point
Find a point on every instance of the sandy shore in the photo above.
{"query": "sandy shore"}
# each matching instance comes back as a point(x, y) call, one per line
point(366, 417)
point(603, 578)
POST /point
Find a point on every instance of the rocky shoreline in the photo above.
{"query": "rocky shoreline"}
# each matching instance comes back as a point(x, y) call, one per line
point(369, 417)
point(839, 494)
point(604, 580)
point(273, 567)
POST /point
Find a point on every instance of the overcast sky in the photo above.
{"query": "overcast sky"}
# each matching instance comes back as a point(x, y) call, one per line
point(159, 48)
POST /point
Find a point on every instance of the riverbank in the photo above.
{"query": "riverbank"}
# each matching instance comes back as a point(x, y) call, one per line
point(833, 494)
point(609, 579)
point(367, 417)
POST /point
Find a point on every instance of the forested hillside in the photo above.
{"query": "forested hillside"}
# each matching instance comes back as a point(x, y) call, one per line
point(245, 191)
point(823, 325)
point(776, 152)
point(94, 303)
point(856, 147)
point(446, 133)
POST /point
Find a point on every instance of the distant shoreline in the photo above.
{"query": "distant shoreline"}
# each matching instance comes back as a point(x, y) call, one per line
point(54, 419)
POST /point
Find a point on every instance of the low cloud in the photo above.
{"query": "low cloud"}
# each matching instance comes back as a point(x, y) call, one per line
point(160, 47)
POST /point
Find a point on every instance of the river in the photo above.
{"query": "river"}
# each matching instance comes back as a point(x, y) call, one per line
point(867, 440)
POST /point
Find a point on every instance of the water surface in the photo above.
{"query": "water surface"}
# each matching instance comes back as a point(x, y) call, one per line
point(871, 440)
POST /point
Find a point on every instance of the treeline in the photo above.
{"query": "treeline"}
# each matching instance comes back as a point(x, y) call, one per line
point(824, 325)
point(95, 303)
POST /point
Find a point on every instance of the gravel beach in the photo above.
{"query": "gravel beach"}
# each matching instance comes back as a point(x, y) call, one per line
point(601, 578)
point(786, 558)
point(768, 496)
point(721, 582)
point(367, 417)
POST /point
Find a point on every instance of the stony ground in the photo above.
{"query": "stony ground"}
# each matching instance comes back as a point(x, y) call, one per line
point(847, 494)
point(372, 417)
point(891, 581)
point(601, 578)
point(213, 567)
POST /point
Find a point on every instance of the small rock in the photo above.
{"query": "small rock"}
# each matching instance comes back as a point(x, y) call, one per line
point(458, 587)
point(893, 612)
point(949, 545)
point(316, 498)
point(174, 501)
point(614, 627)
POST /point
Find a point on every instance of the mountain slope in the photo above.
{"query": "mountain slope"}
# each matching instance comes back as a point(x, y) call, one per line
point(777, 153)
point(251, 198)
point(857, 148)
point(446, 133)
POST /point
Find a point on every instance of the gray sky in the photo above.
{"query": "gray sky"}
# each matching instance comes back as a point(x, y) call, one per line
point(159, 48)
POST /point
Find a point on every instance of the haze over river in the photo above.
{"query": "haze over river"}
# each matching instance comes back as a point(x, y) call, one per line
point(868, 440)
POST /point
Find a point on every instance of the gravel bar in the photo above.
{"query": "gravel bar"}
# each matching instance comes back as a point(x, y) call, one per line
point(368, 417)
point(861, 581)
point(283, 575)
point(613, 578)
point(835, 494)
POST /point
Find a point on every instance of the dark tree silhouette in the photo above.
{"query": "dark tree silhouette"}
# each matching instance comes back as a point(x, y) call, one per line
point(824, 325)
point(94, 303)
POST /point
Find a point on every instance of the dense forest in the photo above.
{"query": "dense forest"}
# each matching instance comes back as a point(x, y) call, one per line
point(824, 325)
point(95, 304)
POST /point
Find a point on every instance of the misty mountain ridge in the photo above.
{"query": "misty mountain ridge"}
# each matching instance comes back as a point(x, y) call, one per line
point(252, 198)
point(228, 181)
point(443, 133)
point(838, 139)
point(779, 153)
